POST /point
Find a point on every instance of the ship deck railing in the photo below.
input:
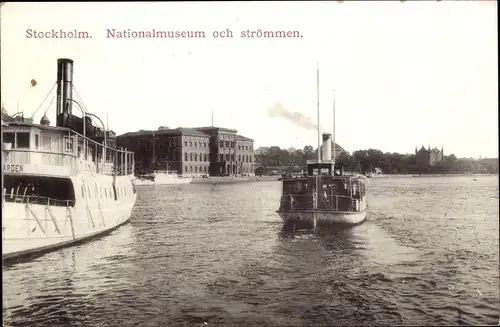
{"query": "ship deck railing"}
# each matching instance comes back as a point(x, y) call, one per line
point(346, 175)
point(35, 199)
point(58, 160)
point(28, 157)
point(329, 203)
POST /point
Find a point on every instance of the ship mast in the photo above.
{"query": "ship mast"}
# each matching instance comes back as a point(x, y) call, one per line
point(319, 152)
point(317, 94)
point(333, 132)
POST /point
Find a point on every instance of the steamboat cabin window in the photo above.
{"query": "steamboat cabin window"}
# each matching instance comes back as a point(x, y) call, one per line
point(68, 144)
point(9, 137)
point(37, 141)
point(23, 140)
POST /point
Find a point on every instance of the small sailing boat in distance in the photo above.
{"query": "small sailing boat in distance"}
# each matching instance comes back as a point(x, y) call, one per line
point(325, 195)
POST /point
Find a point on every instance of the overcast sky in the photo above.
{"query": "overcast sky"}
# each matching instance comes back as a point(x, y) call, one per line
point(405, 74)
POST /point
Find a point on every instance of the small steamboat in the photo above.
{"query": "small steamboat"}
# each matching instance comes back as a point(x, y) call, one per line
point(324, 195)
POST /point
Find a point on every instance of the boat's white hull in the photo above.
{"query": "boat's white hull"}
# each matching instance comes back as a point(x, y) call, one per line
point(174, 180)
point(139, 182)
point(323, 218)
point(33, 228)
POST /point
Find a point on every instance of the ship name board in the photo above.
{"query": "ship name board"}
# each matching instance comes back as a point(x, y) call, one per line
point(13, 168)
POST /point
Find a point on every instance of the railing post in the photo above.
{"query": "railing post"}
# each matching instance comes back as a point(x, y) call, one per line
point(125, 154)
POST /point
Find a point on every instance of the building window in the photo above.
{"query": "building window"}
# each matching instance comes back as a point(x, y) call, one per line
point(232, 144)
point(205, 144)
point(239, 157)
point(232, 157)
point(186, 169)
point(195, 144)
point(227, 144)
point(185, 157)
point(190, 157)
point(205, 157)
point(191, 144)
point(227, 156)
point(196, 157)
point(191, 168)
point(221, 144)
point(186, 143)
point(196, 169)
point(221, 157)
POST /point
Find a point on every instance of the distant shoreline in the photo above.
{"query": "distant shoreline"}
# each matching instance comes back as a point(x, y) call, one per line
point(233, 180)
point(433, 175)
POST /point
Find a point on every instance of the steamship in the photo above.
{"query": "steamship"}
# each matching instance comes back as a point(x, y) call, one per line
point(62, 184)
point(325, 194)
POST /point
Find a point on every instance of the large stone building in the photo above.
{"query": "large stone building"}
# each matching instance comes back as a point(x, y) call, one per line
point(191, 151)
point(230, 153)
point(428, 157)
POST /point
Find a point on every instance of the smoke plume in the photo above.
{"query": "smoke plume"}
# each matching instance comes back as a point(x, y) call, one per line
point(277, 110)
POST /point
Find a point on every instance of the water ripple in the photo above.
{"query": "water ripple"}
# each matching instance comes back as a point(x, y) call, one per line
point(217, 254)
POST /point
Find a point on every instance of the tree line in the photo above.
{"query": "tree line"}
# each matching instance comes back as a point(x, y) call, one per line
point(365, 161)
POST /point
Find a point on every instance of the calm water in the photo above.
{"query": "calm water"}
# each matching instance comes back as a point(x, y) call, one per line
point(216, 254)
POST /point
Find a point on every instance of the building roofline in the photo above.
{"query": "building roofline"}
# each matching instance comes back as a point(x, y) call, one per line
point(171, 131)
point(243, 138)
point(214, 128)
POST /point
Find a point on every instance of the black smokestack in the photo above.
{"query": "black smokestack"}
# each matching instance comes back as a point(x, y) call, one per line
point(64, 87)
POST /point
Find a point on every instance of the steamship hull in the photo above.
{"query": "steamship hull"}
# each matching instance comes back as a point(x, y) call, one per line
point(322, 218)
point(29, 228)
